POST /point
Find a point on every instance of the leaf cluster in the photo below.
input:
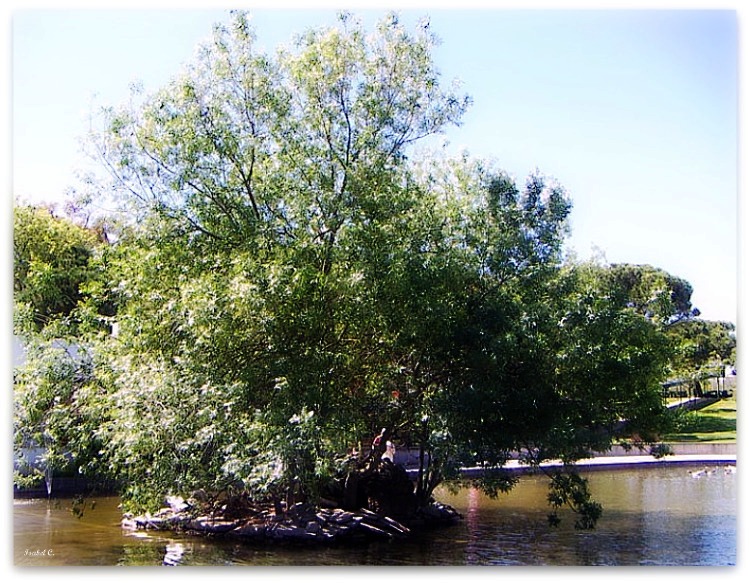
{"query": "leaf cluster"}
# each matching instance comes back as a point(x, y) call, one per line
point(571, 490)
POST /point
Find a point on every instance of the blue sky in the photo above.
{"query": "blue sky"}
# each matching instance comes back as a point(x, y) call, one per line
point(634, 112)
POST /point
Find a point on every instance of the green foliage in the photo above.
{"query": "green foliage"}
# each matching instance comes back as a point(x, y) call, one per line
point(494, 482)
point(616, 358)
point(654, 293)
point(256, 151)
point(28, 478)
point(660, 450)
point(698, 348)
point(703, 347)
point(51, 263)
point(571, 490)
point(294, 279)
point(55, 404)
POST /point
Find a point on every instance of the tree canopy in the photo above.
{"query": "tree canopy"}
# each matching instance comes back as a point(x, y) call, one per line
point(703, 347)
point(51, 266)
point(295, 277)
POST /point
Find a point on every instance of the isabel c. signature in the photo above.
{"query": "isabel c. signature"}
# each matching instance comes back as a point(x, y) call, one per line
point(39, 553)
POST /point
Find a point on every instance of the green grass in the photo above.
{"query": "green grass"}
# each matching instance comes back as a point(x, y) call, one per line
point(715, 423)
point(725, 408)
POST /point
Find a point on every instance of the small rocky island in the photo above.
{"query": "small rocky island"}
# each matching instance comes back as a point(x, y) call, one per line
point(375, 502)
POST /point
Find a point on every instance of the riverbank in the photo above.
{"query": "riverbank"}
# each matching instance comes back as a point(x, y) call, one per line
point(683, 453)
point(618, 457)
point(613, 462)
point(67, 487)
point(619, 462)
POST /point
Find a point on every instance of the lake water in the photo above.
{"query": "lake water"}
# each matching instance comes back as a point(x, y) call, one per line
point(652, 516)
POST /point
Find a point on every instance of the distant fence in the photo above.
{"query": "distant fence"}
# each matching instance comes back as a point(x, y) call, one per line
point(710, 386)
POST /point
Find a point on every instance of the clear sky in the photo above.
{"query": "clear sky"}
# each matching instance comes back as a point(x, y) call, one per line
point(635, 112)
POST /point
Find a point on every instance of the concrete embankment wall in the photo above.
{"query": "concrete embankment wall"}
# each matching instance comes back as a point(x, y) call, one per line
point(681, 448)
point(410, 457)
point(65, 487)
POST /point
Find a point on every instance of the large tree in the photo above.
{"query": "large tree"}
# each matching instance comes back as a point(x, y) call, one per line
point(274, 196)
point(295, 278)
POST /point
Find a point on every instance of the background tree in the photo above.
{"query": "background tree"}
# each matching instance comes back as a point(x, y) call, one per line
point(57, 407)
point(51, 266)
point(656, 294)
point(702, 349)
point(58, 296)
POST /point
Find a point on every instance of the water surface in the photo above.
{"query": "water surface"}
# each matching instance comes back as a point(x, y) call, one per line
point(652, 516)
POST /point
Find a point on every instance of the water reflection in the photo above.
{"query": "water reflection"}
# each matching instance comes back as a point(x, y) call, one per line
point(654, 516)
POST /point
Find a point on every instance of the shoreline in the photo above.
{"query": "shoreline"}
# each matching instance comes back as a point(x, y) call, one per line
point(68, 487)
point(683, 453)
point(609, 463)
point(618, 462)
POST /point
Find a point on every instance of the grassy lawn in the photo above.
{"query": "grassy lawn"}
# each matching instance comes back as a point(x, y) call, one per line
point(715, 423)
